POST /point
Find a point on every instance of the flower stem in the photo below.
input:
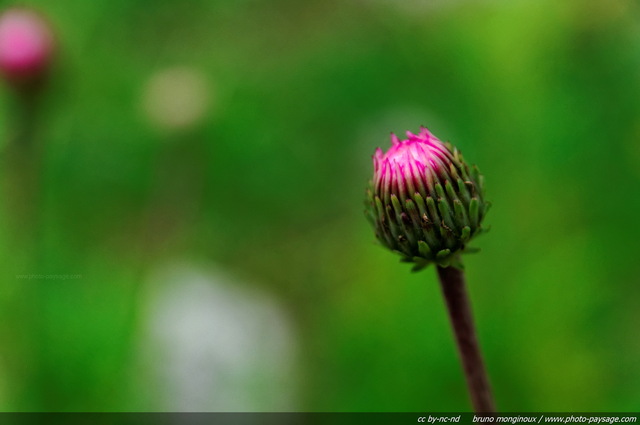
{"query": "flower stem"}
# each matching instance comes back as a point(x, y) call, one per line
point(21, 161)
point(455, 293)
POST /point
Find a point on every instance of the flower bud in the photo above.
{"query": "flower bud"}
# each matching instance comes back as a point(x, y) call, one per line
point(26, 45)
point(424, 201)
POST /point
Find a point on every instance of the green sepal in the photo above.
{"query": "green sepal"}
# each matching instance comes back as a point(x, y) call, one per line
point(449, 236)
point(461, 215)
point(474, 212)
point(413, 211)
point(463, 190)
point(443, 257)
point(433, 211)
point(404, 222)
point(450, 191)
point(396, 207)
point(424, 250)
point(465, 234)
point(472, 187)
point(421, 219)
point(445, 211)
point(486, 206)
point(453, 172)
point(392, 223)
point(439, 190)
point(419, 200)
point(475, 174)
point(464, 168)
point(379, 209)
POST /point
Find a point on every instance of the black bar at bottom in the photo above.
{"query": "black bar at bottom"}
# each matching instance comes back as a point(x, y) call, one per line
point(514, 418)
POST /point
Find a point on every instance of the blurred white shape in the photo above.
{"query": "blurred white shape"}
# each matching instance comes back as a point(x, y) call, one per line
point(215, 344)
point(176, 98)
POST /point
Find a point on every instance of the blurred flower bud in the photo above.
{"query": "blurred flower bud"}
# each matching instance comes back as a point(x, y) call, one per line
point(424, 201)
point(176, 98)
point(26, 45)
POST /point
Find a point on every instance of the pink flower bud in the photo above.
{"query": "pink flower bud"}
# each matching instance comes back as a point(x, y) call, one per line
point(425, 202)
point(410, 162)
point(26, 45)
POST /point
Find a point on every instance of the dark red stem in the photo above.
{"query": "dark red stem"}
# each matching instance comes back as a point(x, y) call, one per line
point(455, 294)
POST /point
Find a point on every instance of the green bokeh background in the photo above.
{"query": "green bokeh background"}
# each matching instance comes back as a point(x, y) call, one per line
point(542, 94)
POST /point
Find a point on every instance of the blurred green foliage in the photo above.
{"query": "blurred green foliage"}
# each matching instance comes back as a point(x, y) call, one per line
point(542, 95)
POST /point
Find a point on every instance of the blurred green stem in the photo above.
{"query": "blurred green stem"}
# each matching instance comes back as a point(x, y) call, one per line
point(22, 200)
point(22, 161)
point(455, 294)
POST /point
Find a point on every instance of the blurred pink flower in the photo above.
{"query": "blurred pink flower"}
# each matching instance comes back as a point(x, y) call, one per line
point(26, 44)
